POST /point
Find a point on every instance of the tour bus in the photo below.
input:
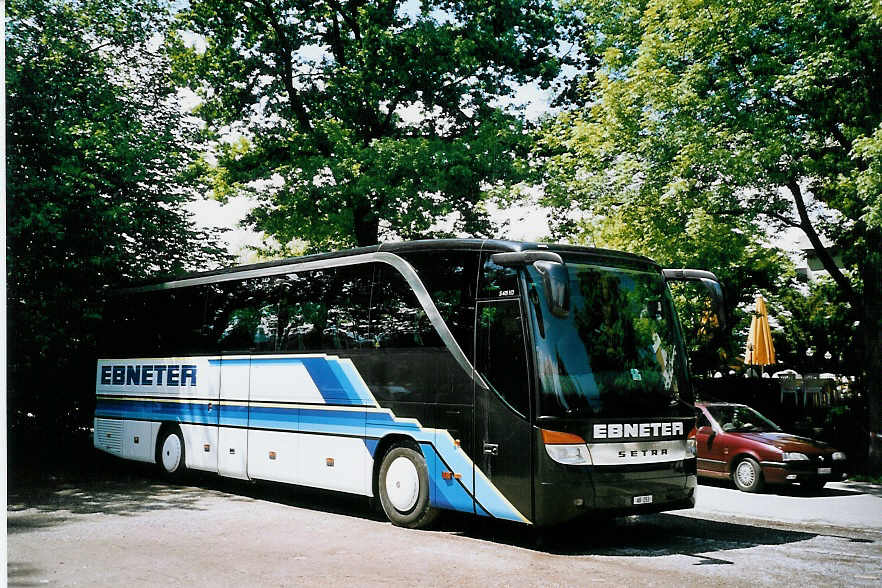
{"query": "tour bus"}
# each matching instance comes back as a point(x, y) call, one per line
point(520, 381)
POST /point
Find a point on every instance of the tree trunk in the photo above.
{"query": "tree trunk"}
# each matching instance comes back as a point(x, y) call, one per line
point(871, 327)
point(366, 225)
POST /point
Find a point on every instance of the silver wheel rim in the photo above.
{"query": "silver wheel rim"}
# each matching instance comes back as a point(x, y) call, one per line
point(402, 484)
point(171, 453)
point(745, 474)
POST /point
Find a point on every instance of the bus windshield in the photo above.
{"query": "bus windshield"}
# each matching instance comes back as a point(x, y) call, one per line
point(618, 352)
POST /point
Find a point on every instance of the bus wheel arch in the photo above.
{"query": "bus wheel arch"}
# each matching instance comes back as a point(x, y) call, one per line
point(171, 451)
point(402, 484)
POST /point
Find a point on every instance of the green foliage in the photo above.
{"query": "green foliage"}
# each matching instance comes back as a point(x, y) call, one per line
point(698, 123)
point(818, 322)
point(749, 113)
point(367, 118)
point(96, 154)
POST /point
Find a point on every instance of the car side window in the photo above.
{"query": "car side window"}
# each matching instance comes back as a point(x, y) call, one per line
point(702, 420)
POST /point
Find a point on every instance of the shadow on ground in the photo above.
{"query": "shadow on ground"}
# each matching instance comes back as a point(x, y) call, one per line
point(646, 536)
point(44, 496)
point(120, 488)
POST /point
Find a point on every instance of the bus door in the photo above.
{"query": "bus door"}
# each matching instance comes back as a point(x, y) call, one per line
point(233, 416)
point(502, 410)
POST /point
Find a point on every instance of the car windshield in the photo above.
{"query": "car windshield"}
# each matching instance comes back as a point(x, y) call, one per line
point(617, 353)
point(734, 418)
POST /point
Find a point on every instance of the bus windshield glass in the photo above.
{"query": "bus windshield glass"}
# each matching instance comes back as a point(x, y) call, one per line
point(618, 352)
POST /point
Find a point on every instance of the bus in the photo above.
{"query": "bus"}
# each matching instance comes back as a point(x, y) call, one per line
point(528, 382)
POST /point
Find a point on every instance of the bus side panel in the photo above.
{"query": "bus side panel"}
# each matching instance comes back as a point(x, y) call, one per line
point(109, 436)
point(139, 440)
point(273, 455)
point(334, 463)
point(232, 459)
point(200, 446)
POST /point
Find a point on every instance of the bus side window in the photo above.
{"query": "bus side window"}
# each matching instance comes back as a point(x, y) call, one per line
point(244, 315)
point(397, 318)
point(497, 281)
point(451, 278)
point(304, 311)
point(501, 356)
point(348, 305)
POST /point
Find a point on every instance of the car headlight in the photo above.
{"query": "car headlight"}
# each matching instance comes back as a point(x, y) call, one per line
point(791, 456)
point(569, 454)
point(691, 447)
point(838, 456)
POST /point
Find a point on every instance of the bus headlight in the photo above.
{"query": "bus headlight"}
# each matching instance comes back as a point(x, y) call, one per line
point(691, 447)
point(792, 456)
point(569, 454)
point(838, 456)
point(566, 448)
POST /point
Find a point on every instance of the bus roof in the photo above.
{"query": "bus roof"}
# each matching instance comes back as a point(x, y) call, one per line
point(496, 245)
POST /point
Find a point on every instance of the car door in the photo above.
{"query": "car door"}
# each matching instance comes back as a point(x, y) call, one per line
point(710, 443)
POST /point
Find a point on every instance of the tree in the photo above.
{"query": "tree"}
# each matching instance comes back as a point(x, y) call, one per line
point(96, 181)
point(363, 119)
point(817, 329)
point(766, 111)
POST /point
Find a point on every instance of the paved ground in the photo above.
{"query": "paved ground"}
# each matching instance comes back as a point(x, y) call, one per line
point(120, 526)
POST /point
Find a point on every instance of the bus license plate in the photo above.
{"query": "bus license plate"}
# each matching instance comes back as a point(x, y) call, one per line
point(643, 499)
point(825, 470)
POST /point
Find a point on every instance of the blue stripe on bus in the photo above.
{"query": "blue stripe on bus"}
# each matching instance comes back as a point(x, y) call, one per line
point(233, 416)
point(445, 493)
point(338, 382)
point(371, 445)
point(357, 384)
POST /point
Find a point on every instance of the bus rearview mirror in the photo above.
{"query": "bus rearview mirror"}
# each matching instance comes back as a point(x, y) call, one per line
point(711, 284)
point(556, 280)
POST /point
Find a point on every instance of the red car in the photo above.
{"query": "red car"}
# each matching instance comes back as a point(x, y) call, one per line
point(734, 441)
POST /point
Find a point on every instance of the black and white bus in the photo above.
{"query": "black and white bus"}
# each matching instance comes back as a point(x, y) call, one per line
point(520, 381)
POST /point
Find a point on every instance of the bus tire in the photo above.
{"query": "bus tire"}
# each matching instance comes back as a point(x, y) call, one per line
point(170, 452)
point(403, 485)
point(747, 475)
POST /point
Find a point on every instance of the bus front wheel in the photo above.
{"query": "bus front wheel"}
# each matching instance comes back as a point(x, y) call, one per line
point(170, 452)
point(404, 488)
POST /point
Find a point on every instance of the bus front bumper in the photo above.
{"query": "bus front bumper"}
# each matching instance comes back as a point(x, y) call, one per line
point(609, 492)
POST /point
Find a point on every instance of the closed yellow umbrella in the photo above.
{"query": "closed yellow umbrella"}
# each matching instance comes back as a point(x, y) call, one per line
point(760, 350)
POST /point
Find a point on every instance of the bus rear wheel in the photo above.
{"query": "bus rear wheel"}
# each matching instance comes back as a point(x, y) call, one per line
point(403, 486)
point(170, 454)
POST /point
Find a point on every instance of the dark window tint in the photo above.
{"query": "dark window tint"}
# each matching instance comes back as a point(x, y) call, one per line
point(408, 362)
point(398, 320)
point(497, 281)
point(164, 322)
point(450, 278)
point(243, 316)
point(501, 356)
point(307, 325)
point(326, 309)
point(349, 308)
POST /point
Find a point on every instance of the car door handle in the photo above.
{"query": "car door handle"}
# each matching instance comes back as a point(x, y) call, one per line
point(491, 448)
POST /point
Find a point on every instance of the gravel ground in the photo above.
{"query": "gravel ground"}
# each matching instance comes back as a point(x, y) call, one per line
point(114, 523)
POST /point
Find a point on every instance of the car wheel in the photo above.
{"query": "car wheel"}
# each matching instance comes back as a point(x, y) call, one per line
point(403, 485)
point(170, 453)
point(748, 476)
